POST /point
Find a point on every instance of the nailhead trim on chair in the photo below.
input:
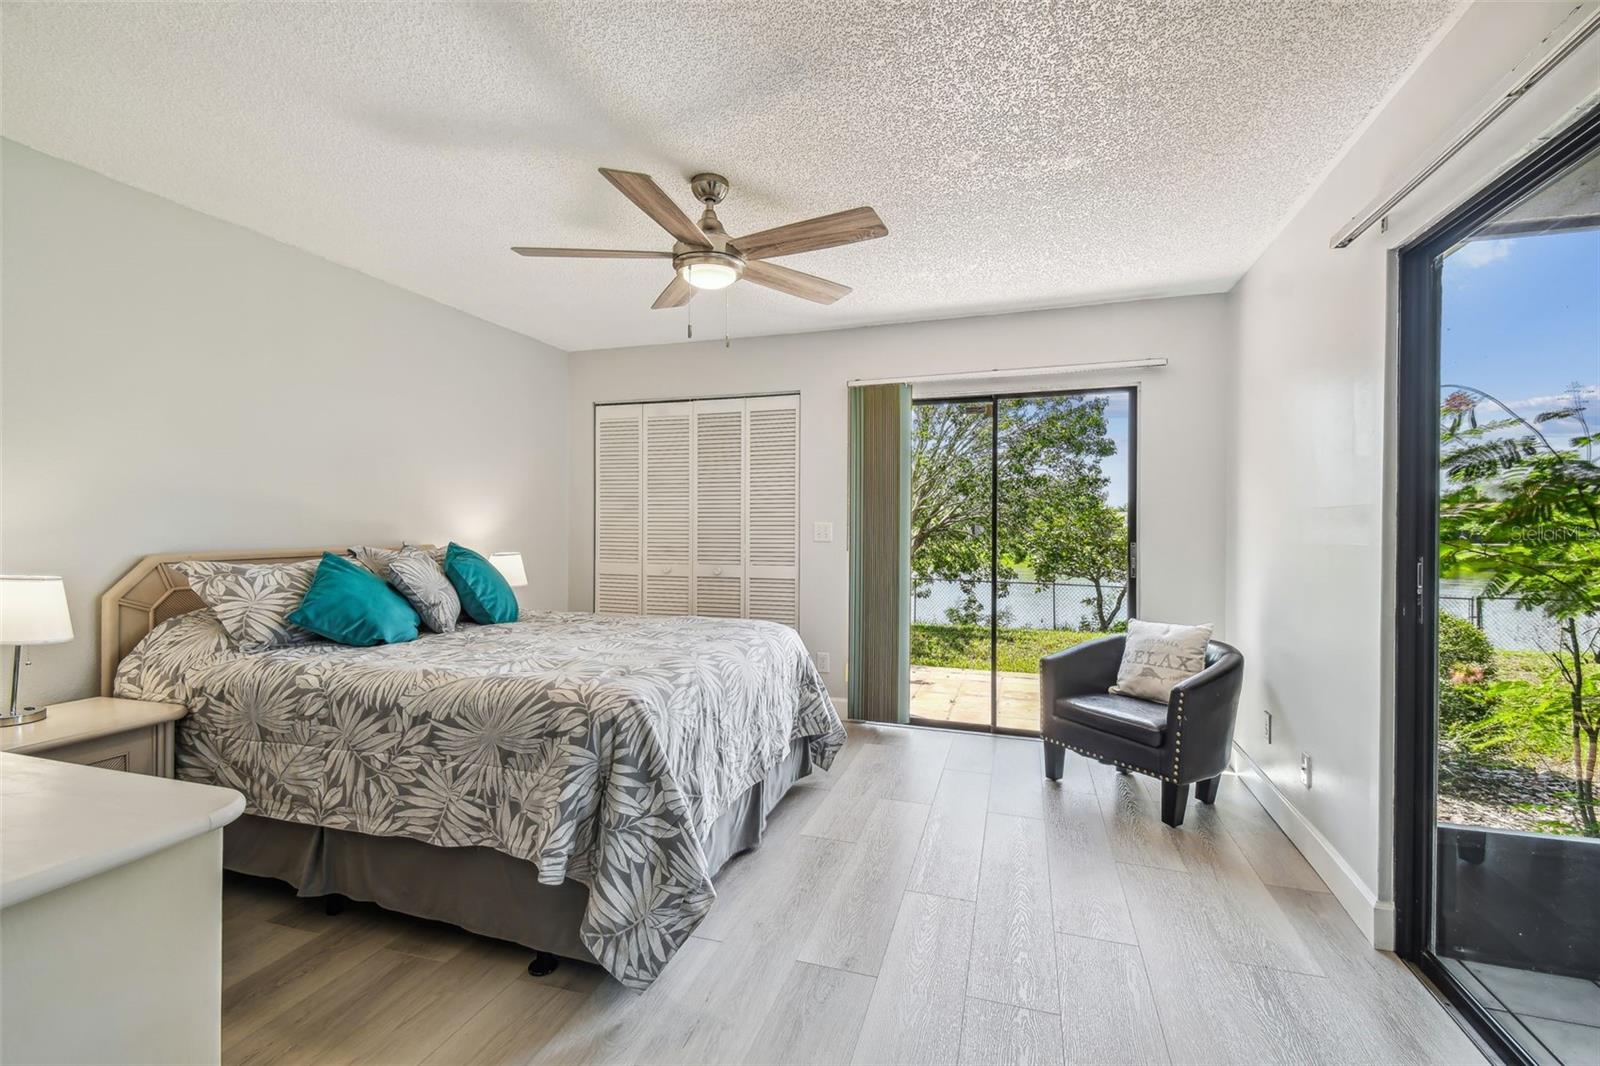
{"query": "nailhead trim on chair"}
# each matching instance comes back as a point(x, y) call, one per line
point(1177, 739)
point(1177, 743)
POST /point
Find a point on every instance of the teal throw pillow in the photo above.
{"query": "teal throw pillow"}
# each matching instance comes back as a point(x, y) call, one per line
point(349, 604)
point(485, 594)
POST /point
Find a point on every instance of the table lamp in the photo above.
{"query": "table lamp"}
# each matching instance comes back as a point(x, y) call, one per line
point(510, 566)
point(33, 610)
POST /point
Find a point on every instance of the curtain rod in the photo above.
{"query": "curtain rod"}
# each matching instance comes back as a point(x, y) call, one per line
point(1503, 99)
point(1010, 372)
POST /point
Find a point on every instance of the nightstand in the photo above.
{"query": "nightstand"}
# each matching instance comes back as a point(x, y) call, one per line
point(132, 735)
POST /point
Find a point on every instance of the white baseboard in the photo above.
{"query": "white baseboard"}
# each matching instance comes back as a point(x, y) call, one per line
point(839, 706)
point(1374, 917)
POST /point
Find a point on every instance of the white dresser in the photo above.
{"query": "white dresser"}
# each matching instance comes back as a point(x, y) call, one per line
point(110, 915)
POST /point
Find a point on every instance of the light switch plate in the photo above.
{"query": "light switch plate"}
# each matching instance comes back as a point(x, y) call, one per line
point(824, 662)
point(822, 532)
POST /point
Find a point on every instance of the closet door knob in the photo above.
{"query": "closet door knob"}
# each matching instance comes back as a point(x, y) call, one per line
point(717, 571)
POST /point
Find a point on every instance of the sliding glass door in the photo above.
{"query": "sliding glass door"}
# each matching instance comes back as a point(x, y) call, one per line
point(1499, 857)
point(1022, 543)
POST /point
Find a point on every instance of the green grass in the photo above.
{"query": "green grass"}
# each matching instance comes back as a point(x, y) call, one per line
point(967, 647)
point(1521, 665)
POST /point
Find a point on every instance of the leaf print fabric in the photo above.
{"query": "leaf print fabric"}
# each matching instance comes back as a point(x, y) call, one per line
point(379, 560)
point(418, 578)
point(253, 600)
point(601, 748)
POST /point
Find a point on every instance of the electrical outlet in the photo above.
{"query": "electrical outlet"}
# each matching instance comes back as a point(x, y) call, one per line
point(822, 532)
point(1268, 728)
point(824, 662)
point(1305, 769)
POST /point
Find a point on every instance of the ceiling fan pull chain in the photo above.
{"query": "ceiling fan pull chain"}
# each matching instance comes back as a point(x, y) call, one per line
point(725, 298)
point(690, 309)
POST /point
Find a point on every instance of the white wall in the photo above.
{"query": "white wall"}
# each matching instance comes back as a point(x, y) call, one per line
point(1180, 476)
point(172, 382)
point(1310, 558)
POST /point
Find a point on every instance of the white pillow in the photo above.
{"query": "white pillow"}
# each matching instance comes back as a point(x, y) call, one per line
point(1158, 655)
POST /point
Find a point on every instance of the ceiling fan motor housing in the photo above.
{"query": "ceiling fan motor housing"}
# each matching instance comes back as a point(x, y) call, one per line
point(709, 188)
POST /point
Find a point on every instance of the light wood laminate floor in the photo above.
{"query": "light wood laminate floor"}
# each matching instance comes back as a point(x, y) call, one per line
point(932, 899)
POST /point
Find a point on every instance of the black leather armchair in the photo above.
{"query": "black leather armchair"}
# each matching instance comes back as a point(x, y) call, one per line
point(1184, 741)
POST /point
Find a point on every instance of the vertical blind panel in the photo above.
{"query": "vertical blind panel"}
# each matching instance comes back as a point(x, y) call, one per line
point(617, 484)
point(775, 600)
point(666, 489)
point(719, 487)
point(880, 552)
point(774, 487)
point(617, 594)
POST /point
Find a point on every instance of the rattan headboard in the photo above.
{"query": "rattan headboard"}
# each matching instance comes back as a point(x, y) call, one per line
point(153, 591)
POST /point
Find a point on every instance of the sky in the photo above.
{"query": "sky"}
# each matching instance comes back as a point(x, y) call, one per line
point(1521, 320)
point(1116, 466)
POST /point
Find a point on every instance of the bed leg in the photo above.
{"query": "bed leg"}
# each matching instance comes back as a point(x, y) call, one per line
point(543, 963)
point(333, 904)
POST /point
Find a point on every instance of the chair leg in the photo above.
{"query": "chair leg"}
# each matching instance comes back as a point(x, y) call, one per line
point(1206, 791)
point(1174, 799)
point(1055, 760)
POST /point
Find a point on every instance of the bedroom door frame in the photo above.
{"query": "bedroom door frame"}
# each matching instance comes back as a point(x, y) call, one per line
point(994, 399)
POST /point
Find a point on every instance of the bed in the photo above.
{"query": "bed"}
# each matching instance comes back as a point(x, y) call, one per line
point(569, 782)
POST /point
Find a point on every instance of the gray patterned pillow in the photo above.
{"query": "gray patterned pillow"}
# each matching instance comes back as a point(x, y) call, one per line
point(418, 578)
point(253, 600)
point(156, 667)
point(379, 560)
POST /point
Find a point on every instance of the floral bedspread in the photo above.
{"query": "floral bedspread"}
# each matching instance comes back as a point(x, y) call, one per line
point(599, 748)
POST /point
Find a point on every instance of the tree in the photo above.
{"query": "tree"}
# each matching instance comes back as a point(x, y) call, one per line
point(1524, 515)
point(1086, 539)
point(1048, 462)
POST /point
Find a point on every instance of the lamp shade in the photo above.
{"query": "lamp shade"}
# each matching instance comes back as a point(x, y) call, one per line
point(33, 610)
point(510, 566)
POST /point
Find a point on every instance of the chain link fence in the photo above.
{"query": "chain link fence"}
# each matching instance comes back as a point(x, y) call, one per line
point(1071, 605)
point(1507, 625)
point(1023, 604)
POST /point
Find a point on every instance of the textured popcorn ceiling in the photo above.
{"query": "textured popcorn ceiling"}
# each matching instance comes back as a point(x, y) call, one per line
point(1022, 155)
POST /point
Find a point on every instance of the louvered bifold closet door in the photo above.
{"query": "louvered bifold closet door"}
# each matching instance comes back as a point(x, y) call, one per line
point(719, 508)
point(619, 531)
point(668, 508)
point(772, 565)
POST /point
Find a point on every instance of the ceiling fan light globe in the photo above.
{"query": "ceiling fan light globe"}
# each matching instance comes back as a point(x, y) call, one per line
point(710, 275)
point(709, 269)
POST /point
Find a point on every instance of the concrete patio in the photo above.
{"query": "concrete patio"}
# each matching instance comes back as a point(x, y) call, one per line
point(941, 694)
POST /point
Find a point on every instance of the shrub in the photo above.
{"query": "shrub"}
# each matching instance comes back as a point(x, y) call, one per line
point(1466, 673)
point(1463, 644)
point(1529, 721)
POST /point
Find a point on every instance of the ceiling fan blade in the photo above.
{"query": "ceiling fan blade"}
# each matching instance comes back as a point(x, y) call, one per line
point(677, 293)
point(589, 253)
point(794, 282)
point(647, 195)
point(826, 231)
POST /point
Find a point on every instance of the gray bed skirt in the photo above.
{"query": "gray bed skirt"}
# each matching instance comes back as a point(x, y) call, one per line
point(479, 889)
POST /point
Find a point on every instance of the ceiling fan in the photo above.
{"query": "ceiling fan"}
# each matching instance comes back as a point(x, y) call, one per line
point(705, 257)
